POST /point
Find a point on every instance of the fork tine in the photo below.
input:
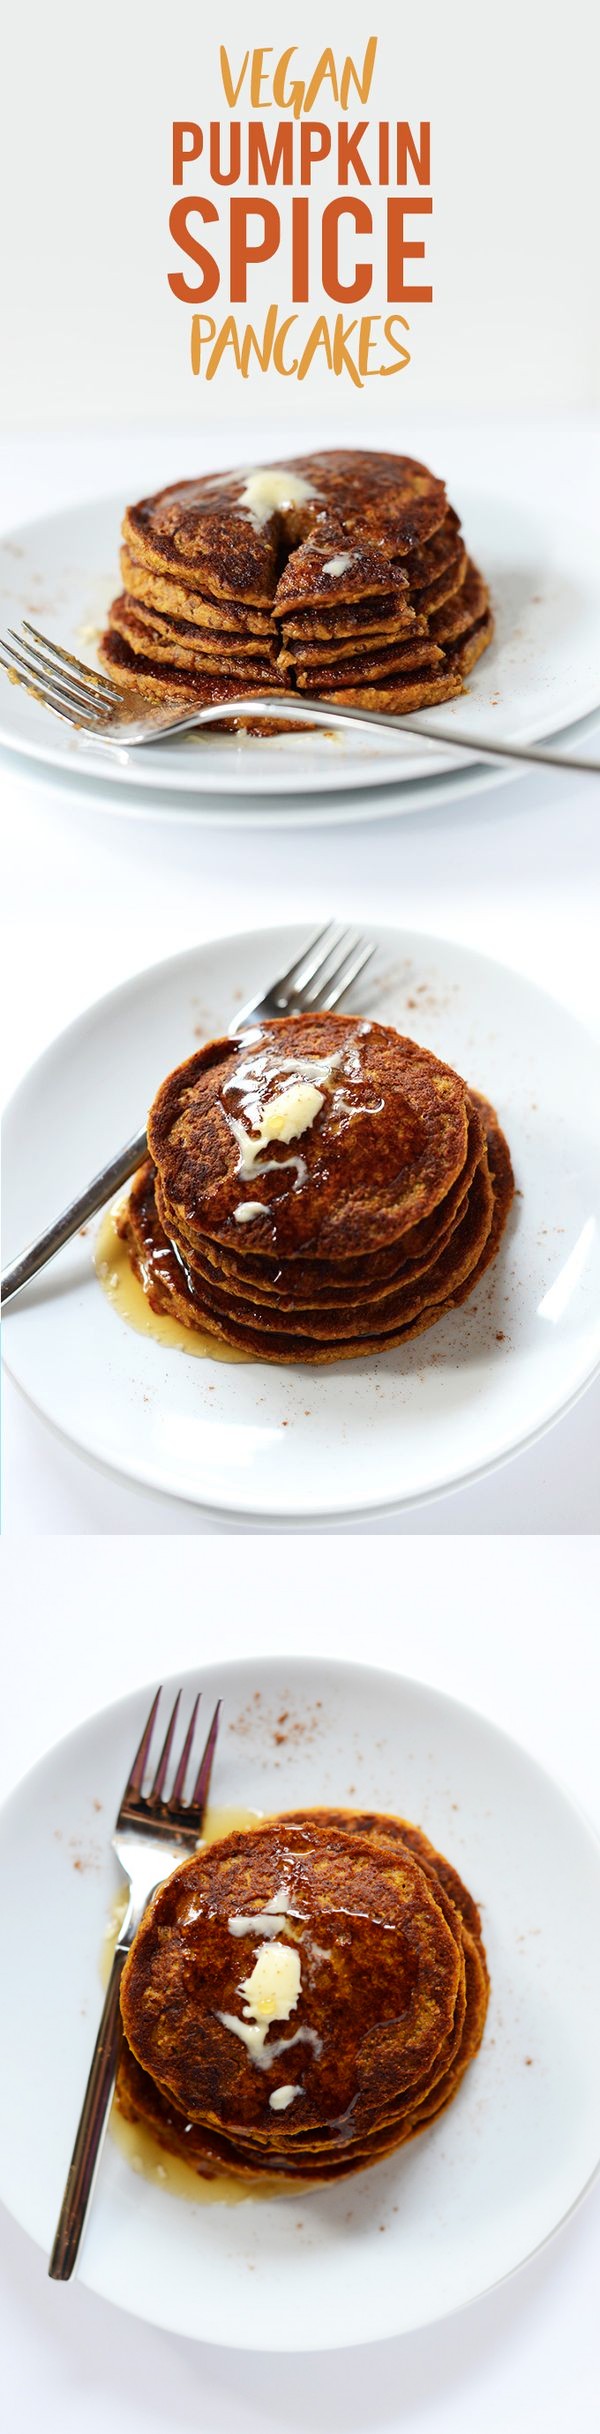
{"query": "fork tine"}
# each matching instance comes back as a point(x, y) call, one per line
point(202, 1784)
point(345, 944)
point(39, 692)
point(142, 1754)
point(181, 1772)
point(53, 695)
point(82, 695)
point(67, 659)
point(358, 965)
point(285, 979)
point(155, 1794)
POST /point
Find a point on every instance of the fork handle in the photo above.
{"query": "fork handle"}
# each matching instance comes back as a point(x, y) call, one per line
point(90, 2134)
point(97, 1193)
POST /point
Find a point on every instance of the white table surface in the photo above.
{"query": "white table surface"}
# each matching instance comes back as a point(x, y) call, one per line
point(511, 1629)
point(89, 897)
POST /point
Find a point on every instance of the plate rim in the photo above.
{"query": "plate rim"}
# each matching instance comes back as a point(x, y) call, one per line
point(303, 1515)
point(474, 1719)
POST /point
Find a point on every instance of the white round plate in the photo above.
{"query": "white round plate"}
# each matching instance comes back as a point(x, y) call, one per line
point(540, 675)
point(279, 1445)
point(317, 809)
point(466, 2203)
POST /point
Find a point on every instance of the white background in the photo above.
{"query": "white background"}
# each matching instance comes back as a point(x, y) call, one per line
point(90, 328)
point(511, 1628)
point(90, 897)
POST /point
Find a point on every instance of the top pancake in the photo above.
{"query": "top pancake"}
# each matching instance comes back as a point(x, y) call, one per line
point(382, 1972)
point(383, 1150)
point(208, 527)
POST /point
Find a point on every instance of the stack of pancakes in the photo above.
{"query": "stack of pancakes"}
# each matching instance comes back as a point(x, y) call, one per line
point(342, 574)
point(354, 2031)
point(317, 1188)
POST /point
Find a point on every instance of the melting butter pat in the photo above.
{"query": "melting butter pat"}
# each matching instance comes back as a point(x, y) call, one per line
point(270, 486)
point(291, 1112)
point(284, 1118)
point(282, 2096)
point(273, 1987)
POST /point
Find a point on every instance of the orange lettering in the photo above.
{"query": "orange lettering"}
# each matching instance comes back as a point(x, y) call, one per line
point(242, 252)
point(232, 90)
point(349, 156)
point(181, 152)
point(400, 251)
point(315, 145)
point(178, 224)
point(363, 277)
point(225, 176)
point(267, 164)
point(420, 155)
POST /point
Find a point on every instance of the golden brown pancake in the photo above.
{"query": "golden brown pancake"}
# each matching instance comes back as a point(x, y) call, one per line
point(311, 1277)
point(317, 1334)
point(391, 1307)
point(324, 657)
point(464, 654)
point(195, 530)
point(187, 644)
point(388, 2003)
point(324, 1238)
point(330, 565)
point(423, 565)
point(419, 671)
point(432, 596)
point(464, 609)
point(395, 695)
point(178, 599)
point(206, 654)
point(383, 1148)
point(341, 574)
point(307, 1286)
point(347, 618)
point(147, 675)
point(390, 1966)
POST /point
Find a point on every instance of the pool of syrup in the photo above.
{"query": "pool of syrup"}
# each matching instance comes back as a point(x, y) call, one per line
point(116, 1275)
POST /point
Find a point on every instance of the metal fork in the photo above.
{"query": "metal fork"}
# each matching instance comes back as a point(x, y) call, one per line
point(316, 980)
point(93, 703)
point(152, 1834)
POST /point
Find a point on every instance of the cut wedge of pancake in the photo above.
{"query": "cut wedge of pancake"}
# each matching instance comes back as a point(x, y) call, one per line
point(303, 1998)
point(343, 574)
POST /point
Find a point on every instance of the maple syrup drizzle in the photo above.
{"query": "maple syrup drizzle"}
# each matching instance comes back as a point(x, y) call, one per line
point(123, 1288)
